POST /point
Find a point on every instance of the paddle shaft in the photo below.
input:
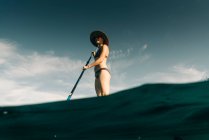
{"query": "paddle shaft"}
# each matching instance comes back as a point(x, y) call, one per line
point(81, 75)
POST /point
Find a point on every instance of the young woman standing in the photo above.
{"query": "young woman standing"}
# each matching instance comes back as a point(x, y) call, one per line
point(102, 73)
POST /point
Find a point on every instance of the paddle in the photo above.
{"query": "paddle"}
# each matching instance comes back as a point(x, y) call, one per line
point(72, 91)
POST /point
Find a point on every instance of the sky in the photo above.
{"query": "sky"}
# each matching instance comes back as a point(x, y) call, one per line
point(45, 43)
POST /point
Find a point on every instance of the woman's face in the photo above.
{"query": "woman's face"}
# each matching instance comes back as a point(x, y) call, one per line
point(99, 40)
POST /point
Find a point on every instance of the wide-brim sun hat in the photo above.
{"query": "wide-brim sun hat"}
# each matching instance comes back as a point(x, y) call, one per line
point(96, 34)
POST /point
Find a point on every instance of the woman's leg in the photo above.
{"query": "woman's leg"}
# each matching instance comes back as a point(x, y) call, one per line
point(98, 87)
point(105, 82)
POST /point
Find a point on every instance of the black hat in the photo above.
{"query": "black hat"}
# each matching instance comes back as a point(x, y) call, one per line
point(96, 34)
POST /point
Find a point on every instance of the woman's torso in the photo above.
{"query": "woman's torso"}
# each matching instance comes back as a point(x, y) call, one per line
point(103, 64)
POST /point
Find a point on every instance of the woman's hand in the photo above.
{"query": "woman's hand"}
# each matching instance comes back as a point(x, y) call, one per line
point(86, 67)
point(93, 53)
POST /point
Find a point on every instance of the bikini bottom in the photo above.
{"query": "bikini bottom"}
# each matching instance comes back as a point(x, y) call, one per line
point(97, 73)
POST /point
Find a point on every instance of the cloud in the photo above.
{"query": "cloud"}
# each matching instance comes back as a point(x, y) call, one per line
point(13, 93)
point(38, 77)
point(124, 53)
point(121, 63)
point(7, 51)
point(37, 64)
point(118, 54)
point(144, 47)
point(189, 74)
point(175, 74)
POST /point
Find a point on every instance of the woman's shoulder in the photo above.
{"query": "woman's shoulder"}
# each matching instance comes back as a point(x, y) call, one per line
point(105, 47)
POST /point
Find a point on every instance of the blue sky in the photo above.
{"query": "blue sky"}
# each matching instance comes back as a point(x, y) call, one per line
point(44, 44)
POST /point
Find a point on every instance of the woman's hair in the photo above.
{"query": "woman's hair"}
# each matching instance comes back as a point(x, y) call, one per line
point(105, 41)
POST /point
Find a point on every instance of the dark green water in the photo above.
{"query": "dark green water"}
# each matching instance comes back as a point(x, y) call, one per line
point(148, 112)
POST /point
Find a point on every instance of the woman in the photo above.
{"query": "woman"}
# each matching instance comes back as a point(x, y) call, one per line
point(102, 74)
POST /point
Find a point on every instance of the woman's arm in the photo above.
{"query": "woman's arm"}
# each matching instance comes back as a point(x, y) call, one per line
point(100, 59)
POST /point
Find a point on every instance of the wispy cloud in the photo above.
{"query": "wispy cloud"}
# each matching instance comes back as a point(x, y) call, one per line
point(7, 51)
point(118, 54)
point(144, 47)
point(175, 74)
point(122, 62)
point(124, 53)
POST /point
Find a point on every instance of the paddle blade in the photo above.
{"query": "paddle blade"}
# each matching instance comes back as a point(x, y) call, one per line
point(68, 98)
